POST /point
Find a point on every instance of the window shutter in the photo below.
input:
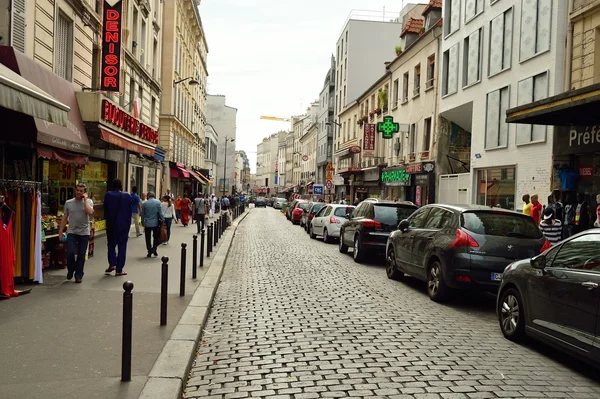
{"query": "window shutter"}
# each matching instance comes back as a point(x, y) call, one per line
point(17, 33)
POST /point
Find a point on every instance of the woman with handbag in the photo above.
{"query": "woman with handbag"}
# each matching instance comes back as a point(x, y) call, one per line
point(168, 209)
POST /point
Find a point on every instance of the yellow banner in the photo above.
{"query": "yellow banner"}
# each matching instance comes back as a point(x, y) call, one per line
point(95, 171)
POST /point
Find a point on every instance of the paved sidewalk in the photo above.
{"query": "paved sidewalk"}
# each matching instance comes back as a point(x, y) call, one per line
point(64, 339)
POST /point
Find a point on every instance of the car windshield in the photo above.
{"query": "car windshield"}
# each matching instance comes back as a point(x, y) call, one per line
point(316, 208)
point(392, 214)
point(303, 205)
point(500, 224)
point(341, 211)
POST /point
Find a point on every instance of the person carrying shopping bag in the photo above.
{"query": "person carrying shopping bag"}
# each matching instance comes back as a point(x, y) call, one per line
point(169, 212)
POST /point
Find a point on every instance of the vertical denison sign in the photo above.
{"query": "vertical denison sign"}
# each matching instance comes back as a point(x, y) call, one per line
point(111, 45)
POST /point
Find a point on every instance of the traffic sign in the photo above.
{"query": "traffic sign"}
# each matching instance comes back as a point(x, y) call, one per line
point(329, 175)
point(329, 184)
point(329, 166)
point(318, 189)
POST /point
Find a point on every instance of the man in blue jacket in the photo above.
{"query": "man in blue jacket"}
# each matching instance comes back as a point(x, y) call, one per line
point(152, 217)
point(117, 212)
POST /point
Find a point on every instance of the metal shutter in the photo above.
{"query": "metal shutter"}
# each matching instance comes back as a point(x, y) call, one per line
point(17, 32)
point(63, 47)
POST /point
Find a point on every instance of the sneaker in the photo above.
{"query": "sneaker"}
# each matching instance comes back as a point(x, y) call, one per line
point(69, 275)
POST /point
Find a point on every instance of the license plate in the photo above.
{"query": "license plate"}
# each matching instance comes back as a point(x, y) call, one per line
point(496, 276)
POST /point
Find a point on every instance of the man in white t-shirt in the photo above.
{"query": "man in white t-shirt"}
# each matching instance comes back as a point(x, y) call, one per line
point(213, 202)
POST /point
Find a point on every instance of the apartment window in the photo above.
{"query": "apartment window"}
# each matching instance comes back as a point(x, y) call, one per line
point(95, 67)
point(427, 135)
point(354, 124)
point(430, 72)
point(345, 70)
point(500, 51)
point(450, 71)
point(153, 112)
point(532, 89)
point(472, 9)
point(417, 81)
point(140, 100)
point(131, 93)
point(134, 30)
point(496, 135)
point(451, 16)
point(64, 47)
point(405, 87)
point(346, 49)
point(413, 139)
point(396, 93)
point(536, 17)
point(472, 58)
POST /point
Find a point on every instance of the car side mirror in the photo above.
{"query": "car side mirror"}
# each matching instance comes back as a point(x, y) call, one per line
point(538, 262)
point(403, 226)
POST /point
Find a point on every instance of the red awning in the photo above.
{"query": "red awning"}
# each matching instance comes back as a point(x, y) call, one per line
point(198, 176)
point(179, 172)
point(62, 156)
point(125, 142)
point(72, 137)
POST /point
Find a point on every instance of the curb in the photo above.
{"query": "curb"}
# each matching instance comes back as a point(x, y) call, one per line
point(170, 371)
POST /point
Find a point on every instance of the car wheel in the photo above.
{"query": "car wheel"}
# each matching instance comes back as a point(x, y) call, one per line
point(358, 253)
point(342, 247)
point(326, 236)
point(436, 286)
point(312, 233)
point(510, 315)
point(391, 269)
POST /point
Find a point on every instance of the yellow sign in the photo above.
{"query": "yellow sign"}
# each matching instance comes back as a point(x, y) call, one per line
point(100, 225)
point(329, 166)
point(329, 175)
point(95, 171)
point(62, 172)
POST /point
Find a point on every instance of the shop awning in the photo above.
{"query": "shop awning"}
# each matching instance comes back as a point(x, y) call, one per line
point(571, 108)
point(20, 95)
point(69, 134)
point(196, 176)
point(61, 156)
point(179, 172)
point(206, 179)
point(120, 140)
point(159, 154)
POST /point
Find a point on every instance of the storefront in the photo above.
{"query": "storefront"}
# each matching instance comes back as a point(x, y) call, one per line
point(414, 182)
point(369, 186)
point(397, 182)
point(186, 181)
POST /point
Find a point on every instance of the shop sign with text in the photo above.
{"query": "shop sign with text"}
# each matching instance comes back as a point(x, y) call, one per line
point(115, 116)
point(369, 137)
point(112, 41)
point(398, 177)
point(576, 139)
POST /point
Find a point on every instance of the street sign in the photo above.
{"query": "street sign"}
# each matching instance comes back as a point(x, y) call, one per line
point(329, 166)
point(329, 175)
point(329, 184)
point(318, 189)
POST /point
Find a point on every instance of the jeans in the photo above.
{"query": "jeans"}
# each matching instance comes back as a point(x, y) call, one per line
point(76, 245)
point(152, 231)
point(168, 222)
point(115, 259)
point(178, 214)
point(200, 219)
point(135, 219)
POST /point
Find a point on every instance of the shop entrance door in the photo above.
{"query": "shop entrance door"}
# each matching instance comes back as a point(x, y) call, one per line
point(137, 178)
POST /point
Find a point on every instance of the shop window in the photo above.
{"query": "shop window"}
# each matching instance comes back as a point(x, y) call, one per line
point(496, 187)
point(151, 185)
point(496, 126)
point(500, 49)
point(536, 21)
point(532, 89)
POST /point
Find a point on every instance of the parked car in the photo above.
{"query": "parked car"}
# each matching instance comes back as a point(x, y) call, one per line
point(554, 297)
point(260, 203)
point(310, 213)
point(370, 226)
point(328, 221)
point(461, 247)
point(277, 203)
point(298, 211)
point(290, 208)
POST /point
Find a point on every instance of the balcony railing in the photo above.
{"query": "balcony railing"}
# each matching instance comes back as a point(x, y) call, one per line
point(579, 4)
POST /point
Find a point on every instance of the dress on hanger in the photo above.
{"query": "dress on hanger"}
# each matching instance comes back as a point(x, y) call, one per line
point(7, 260)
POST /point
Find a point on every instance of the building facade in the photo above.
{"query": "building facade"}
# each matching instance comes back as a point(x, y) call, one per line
point(183, 102)
point(494, 57)
point(223, 118)
point(242, 172)
point(325, 124)
point(211, 138)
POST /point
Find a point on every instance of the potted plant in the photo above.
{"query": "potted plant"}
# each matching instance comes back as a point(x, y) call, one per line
point(377, 111)
point(398, 50)
point(383, 100)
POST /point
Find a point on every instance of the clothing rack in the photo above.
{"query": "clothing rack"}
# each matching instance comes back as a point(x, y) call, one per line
point(26, 184)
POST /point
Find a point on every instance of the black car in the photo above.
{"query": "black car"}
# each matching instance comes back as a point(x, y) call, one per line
point(554, 297)
point(461, 247)
point(370, 224)
point(260, 202)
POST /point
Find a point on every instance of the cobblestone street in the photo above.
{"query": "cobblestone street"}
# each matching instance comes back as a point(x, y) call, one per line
point(295, 318)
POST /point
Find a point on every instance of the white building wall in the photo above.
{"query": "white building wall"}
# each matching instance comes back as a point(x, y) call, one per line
point(467, 107)
point(223, 118)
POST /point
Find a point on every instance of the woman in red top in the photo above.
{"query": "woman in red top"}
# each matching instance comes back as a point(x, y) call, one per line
point(536, 209)
point(185, 210)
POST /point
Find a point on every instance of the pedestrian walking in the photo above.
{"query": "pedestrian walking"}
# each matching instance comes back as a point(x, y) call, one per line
point(225, 203)
point(200, 206)
point(152, 217)
point(77, 213)
point(186, 206)
point(213, 203)
point(551, 227)
point(118, 214)
point(536, 209)
point(178, 207)
point(170, 194)
point(526, 205)
point(136, 209)
point(168, 210)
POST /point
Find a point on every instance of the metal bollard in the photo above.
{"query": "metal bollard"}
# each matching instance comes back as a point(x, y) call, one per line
point(127, 331)
point(209, 240)
point(202, 248)
point(215, 236)
point(182, 276)
point(164, 286)
point(195, 258)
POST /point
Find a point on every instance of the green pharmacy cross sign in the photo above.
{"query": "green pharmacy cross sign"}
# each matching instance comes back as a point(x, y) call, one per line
point(388, 127)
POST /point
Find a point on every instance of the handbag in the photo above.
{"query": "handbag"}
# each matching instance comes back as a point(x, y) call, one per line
point(163, 233)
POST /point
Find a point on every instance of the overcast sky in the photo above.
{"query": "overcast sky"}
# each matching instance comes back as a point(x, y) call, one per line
point(270, 57)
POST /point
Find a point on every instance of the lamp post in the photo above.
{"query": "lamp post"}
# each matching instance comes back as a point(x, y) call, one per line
point(193, 81)
point(227, 139)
